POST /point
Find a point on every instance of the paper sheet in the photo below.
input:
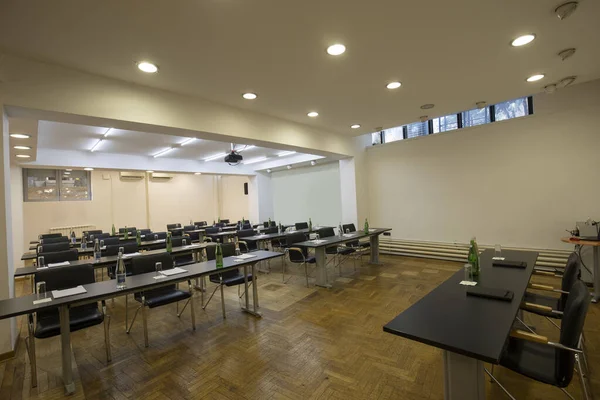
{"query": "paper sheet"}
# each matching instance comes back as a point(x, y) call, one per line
point(40, 301)
point(60, 264)
point(245, 256)
point(173, 271)
point(57, 294)
point(318, 241)
point(131, 255)
point(468, 283)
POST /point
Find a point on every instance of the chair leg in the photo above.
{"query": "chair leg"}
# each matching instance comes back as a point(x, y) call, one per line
point(567, 394)
point(128, 329)
point(145, 322)
point(210, 298)
point(306, 273)
point(223, 301)
point(127, 314)
point(499, 384)
point(30, 345)
point(107, 338)
point(183, 309)
point(193, 313)
point(585, 389)
point(583, 354)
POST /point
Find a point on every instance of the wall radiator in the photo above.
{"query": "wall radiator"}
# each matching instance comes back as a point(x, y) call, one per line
point(78, 229)
point(548, 259)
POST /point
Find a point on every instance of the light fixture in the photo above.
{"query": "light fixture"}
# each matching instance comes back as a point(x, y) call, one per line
point(88, 169)
point(23, 155)
point(69, 169)
point(286, 153)
point(216, 156)
point(162, 152)
point(355, 126)
point(566, 53)
point(147, 67)
point(481, 104)
point(107, 132)
point(393, 85)
point(535, 78)
point(313, 163)
point(95, 147)
point(566, 81)
point(19, 136)
point(268, 171)
point(150, 172)
point(423, 118)
point(565, 10)
point(249, 96)
point(22, 147)
point(523, 40)
point(427, 106)
point(255, 160)
point(313, 114)
point(336, 49)
point(66, 173)
point(246, 148)
point(197, 173)
point(188, 141)
point(289, 167)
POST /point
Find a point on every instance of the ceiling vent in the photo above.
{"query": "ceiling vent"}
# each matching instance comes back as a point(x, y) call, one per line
point(132, 176)
point(161, 177)
point(565, 10)
point(566, 53)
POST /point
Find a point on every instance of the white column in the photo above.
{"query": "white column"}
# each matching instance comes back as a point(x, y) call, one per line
point(348, 191)
point(8, 331)
point(261, 198)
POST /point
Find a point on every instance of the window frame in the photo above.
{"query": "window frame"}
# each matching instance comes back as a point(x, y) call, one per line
point(59, 173)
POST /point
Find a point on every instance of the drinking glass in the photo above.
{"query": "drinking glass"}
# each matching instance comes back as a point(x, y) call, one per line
point(317, 237)
point(155, 237)
point(101, 243)
point(468, 272)
point(348, 230)
point(122, 250)
point(497, 251)
point(40, 289)
point(40, 261)
point(158, 268)
point(183, 242)
point(92, 238)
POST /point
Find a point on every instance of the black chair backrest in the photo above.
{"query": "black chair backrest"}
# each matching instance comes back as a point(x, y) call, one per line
point(189, 228)
point(271, 229)
point(92, 232)
point(211, 230)
point(173, 226)
point(145, 231)
point(301, 225)
point(66, 277)
point(58, 239)
point(219, 224)
point(200, 223)
point(571, 327)
point(46, 248)
point(156, 236)
point(266, 224)
point(49, 235)
point(246, 233)
point(60, 256)
point(145, 264)
point(100, 235)
point(228, 251)
point(294, 237)
point(571, 274)
point(178, 241)
point(129, 229)
point(247, 225)
point(113, 249)
point(224, 221)
point(349, 228)
point(325, 232)
point(111, 240)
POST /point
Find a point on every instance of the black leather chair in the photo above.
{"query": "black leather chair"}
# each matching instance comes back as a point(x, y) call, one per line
point(297, 255)
point(60, 256)
point(113, 249)
point(130, 229)
point(352, 228)
point(208, 231)
point(145, 231)
point(161, 296)
point(156, 236)
point(189, 228)
point(338, 252)
point(246, 226)
point(200, 223)
point(549, 362)
point(182, 258)
point(49, 235)
point(100, 235)
point(52, 240)
point(51, 247)
point(92, 232)
point(271, 229)
point(109, 241)
point(246, 247)
point(266, 224)
point(173, 226)
point(224, 221)
point(47, 323)
point(231, 277)
point(301, 225)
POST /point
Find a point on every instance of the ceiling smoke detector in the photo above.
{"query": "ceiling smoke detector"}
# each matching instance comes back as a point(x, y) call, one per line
point(566, 81)
point(427, 106)
point(565, 10)
point(481, 104)
point(423, 118)
point(566, 53)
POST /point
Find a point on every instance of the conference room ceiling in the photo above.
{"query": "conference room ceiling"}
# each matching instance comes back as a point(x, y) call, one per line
point(448, 53)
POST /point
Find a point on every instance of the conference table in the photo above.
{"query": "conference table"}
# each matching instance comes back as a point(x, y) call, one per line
point(595, 244)
point(136, 283)
point(470, 330)
point(321, 244)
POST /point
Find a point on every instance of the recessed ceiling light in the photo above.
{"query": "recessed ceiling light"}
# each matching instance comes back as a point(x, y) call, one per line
point(88, 169)
point(535, 78)
point(163, 152)
point(22, 147)
point(313, 163)
point(427, 106)
point(19, 136)
point(289, 167)
point(355, 126)
point(249, 96)
point(214, 157)
point(313, 114)
point(255, 160)
point(95, 146)
point(147, 67)
point(188, 141)
point(66, 173)
point(393, 85)
point(149, 171)
point(286, 153)
point(197, 173)
point(523, 40)
point(268, 171)
point(23, 155)
point(69, 169)
point(336, 49)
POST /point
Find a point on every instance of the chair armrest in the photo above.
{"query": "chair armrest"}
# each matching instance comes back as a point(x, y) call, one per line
point(299, 250)
point(563, 347)
point(537, 286)
point(537, 306)
point(532, 337)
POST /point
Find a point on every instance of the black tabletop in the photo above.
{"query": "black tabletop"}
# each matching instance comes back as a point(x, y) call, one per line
point(107, 289)
point(472, 326)
point(347, 237)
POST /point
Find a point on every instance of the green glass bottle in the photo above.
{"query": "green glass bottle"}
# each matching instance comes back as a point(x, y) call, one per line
point(138, 238)
point(169, 243)
point(366, 226)
point(219, 255)
point(473, 257)
point(268, 226)
point(309, 225)
point(113, 230)
point(126, 235)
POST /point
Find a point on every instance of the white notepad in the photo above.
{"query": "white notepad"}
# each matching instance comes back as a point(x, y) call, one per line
point(173, 271)
point(468, 283)
point(41, 268)
point(40, 301)
point(349, 234)
point(318, 241)
point(245, 256)
point(57, 294)
point(60, 264)
point(131, 255)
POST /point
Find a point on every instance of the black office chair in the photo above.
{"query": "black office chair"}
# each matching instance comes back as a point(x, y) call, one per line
point(228, 278)
point(173, 226)
point(47, 323)
point(339, 253)
point(200, 223)
point(53, 240)
point(46, 248)
point(129, 229)
point(271, 229)
point(297, 255)
point(161, 296)
point(60, 256)
point(145, 231)
point(49, 235)
point(301, 225)
point(182, 258)
point(209, 231)
point(224, 221)
point(113, 249)
point(246, 247)
point(549, 362)
point(189, 228)
point(111, 241)
point(99, 236)
point(92, 232)
point(351, 228)
point(266, 224)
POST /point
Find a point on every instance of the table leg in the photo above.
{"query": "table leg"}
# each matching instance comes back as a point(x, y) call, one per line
point(247, 309)
point(374, 249)
point(596, 278)
point(65, 340)
point(463, 377)
point(321, 268)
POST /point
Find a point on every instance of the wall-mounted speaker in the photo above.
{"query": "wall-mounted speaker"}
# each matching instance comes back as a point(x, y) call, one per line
point(246, 188)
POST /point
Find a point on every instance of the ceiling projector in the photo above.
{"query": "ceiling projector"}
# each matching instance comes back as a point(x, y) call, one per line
point(233, 158)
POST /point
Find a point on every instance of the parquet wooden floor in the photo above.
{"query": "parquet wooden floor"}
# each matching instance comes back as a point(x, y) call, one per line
point(310, 344)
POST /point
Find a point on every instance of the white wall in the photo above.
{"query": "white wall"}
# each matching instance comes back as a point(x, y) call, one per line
point(520, 182)
point(235, 205)
point(16, 192)
point(311, 192)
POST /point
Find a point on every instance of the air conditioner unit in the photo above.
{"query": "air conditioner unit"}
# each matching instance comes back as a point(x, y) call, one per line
point(132, 176)
point(161, 177)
